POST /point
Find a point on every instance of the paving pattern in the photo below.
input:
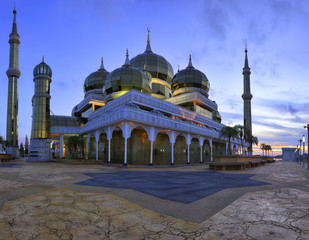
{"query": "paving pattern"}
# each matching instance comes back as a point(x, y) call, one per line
point(35, 206)
point(185, 187)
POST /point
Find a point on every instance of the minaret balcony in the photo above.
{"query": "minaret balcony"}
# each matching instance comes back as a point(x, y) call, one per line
point(13, 72)
point(246, 96)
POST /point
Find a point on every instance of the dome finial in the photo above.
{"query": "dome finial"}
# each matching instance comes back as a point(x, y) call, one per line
point(43, 59)
point(127, 62)
point(14, 11)
point(190, 62)
point(178, 67)
point(102, 65)
point(148, 48)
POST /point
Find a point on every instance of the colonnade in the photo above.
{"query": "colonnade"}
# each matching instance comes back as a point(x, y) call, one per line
point(152, 132)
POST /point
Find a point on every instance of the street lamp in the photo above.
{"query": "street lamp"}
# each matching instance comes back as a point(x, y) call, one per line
point(297, 153)
point(300, 141)
point(307, 126)
point(303, 150)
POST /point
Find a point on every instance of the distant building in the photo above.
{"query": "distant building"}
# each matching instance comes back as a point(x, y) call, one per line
point(289, 154)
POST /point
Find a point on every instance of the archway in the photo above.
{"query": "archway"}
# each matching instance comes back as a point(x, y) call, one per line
point(195, 151)
point(162, 149)
point(138, 147)
point(117, 146)
point(92, 148)
point(206, 151)
point(103, 147)
point(180, 150)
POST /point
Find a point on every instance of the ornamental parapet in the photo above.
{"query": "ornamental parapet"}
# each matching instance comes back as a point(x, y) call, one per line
point(13, 72)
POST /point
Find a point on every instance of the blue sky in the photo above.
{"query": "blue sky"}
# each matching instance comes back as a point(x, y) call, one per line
point(73, 35)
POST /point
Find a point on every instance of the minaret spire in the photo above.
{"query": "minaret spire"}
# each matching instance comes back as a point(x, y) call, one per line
point(127, 61)
point(148, 48)
point(13, 74)
point(102, 65)
point(247, 96)
point(190, 62)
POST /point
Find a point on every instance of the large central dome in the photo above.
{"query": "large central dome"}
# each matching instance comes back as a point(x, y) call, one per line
point(160, 69)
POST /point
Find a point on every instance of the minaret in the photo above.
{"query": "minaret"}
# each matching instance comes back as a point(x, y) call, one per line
point(247, 96)
point(13, 74)
point(40, 133)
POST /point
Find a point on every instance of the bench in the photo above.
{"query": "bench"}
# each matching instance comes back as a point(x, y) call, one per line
point(227, 165)
point(6, 157)
point(255, 163)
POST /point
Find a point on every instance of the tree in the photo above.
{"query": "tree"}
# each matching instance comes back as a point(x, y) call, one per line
point(263, 146)
point(252, 140)
point(229, 132)
point(21, 149)
point(241, 134)
point(268, 148)
point(26, 145)
point(2, 144)
point(74, 142)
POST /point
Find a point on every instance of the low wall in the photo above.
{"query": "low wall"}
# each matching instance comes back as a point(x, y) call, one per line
point(239, 158)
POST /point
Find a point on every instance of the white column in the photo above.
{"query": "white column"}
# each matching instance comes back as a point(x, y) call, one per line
point(188, 153)
point(172, 138)
point(151, 152)
point(126, 135)
point(201, 154)
point(226, 148)
point(96, 150)
point(188, 141)
point(97, 139)
point(61, 146)
point(172, 152)
point(109, 150)
point(210, 145)
point(125, 151)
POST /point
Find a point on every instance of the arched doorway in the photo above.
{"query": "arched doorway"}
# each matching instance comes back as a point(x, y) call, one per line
point(162, 149)
point(195, 151)
point(138, 147)
point(117, 146)
point(180, 150)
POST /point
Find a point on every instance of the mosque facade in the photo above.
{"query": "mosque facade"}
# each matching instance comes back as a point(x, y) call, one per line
point(139, 113)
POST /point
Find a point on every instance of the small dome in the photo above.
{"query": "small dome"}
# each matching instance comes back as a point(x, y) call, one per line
point(96, 79)
point(189, 80)
point(42, 69)
point(126, 78)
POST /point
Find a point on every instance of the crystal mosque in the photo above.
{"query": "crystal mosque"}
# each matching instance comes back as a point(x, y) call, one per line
point(140, 113)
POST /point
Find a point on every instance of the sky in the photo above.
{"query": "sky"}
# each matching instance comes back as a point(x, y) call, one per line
point(73, 35)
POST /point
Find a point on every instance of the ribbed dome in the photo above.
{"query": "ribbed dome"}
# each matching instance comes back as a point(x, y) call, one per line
point(126, 78)
point(96, 79)
point(155, 64)
point(42, 69)
point(160, 69)
point(189, 80)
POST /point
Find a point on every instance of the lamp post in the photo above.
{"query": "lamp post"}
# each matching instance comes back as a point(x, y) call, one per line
point(307, 126)
point(297, 153)
point(303, 150)
point(300, 141)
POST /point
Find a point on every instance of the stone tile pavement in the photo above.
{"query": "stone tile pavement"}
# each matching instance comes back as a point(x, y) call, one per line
point(43, 201)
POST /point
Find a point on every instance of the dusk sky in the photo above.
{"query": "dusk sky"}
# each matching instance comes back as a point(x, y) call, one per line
point(73, 35)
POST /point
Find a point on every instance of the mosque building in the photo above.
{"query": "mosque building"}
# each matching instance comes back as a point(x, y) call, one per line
point(139, 113)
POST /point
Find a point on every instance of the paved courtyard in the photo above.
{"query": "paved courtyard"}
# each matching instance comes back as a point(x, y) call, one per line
point(65, 201)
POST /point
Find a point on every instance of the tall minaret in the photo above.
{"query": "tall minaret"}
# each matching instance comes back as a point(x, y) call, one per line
point(40, 131)
point(13, 74)
point(247, 96)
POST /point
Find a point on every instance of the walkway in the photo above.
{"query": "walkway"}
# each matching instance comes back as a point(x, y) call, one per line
point(61, 201)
